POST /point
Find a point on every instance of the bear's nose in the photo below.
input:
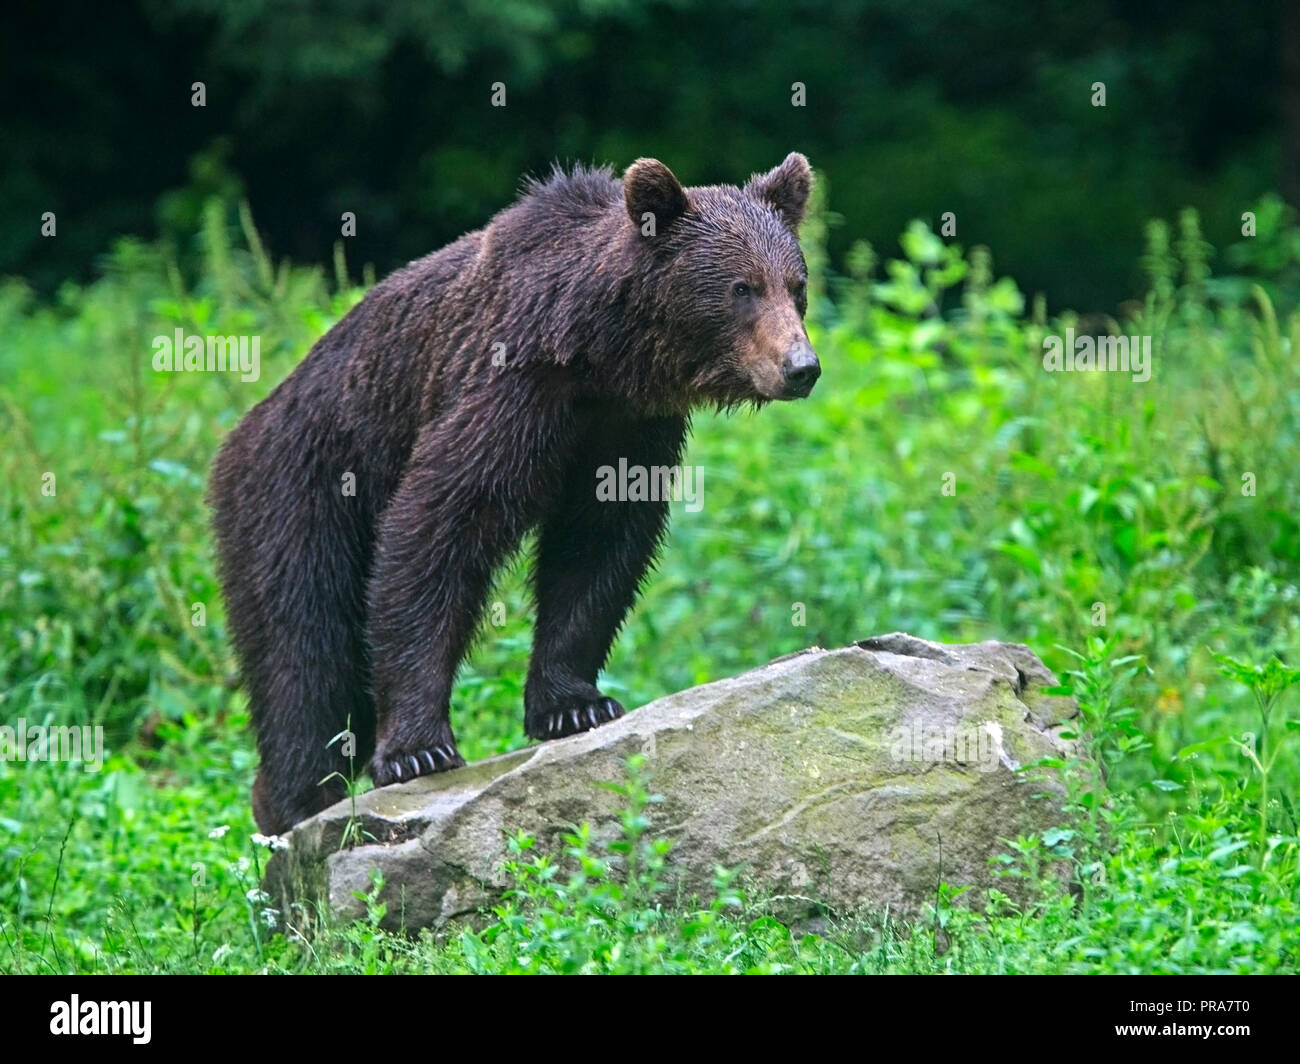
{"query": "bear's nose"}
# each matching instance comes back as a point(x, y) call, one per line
point(800, 370)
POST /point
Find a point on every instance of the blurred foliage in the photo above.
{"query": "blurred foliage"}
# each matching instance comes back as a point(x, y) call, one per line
point(383, 109)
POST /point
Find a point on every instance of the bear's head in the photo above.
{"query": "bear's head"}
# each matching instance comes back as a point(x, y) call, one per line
point(729, 268)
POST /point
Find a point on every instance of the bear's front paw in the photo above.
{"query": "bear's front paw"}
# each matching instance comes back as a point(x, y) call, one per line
point(394, 766)
point(573, 717)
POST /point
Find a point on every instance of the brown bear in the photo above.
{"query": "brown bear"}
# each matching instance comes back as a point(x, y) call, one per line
point(361, 509)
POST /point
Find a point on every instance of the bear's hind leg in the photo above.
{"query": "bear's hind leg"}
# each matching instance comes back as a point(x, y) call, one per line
point(292, 575)
point(301, 771)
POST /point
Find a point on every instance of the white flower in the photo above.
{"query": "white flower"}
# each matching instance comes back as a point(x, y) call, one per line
point(217, 833)
point(271, 842)
point(258, 897)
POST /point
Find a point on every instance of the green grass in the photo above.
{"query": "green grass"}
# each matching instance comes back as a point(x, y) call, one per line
point(1166, 509)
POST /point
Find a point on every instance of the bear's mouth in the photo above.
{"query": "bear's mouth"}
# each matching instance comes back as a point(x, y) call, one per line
point(730, 383)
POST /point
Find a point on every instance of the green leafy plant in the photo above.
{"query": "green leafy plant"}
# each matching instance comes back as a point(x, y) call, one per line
point(1266, 683)
point(353, 833)
point(605, 907)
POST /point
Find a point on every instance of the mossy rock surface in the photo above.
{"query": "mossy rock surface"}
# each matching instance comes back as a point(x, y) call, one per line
point(857, 777)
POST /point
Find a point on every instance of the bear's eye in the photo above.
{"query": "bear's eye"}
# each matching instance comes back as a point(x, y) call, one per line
point(740, 289)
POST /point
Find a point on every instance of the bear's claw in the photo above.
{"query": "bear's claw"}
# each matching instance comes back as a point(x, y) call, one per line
point(422, 762)
point(561, 722)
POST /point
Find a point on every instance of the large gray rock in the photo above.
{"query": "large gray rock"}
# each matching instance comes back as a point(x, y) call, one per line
point(840, 775)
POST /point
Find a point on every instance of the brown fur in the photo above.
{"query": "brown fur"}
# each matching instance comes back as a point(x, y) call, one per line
point(361, 607)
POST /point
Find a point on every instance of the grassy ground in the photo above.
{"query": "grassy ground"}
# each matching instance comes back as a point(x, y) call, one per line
point(938, 482)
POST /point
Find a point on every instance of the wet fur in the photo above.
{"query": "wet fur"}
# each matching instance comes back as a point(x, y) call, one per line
point(360, 608)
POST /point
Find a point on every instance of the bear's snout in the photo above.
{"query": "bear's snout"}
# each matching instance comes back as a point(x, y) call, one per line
point(778, 357)
point(800, 370)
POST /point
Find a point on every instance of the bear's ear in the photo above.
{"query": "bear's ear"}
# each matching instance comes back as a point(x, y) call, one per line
point(786, 188)
point(649, 188)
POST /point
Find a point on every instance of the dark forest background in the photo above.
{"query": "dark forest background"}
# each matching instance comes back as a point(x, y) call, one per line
point(383, 108)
